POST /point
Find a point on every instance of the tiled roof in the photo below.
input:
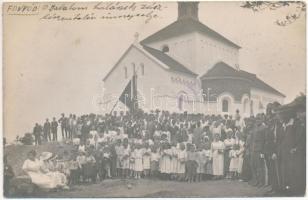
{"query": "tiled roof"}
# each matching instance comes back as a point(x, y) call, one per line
point(222, 69)
point(167, 60)
point(184, 26)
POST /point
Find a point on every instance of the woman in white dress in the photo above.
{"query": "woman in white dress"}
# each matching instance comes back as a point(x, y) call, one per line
point(218, 156)
point(40, 174)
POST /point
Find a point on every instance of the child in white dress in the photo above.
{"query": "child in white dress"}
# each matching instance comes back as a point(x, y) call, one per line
point(132, 161)
point(201, 160)
point(208, 157)
point(125, 158)
point(155, 157)
point(165, 161)
point(119, 152)
point(174, 162)
point(146, 159)
point(182, 157)
point(138, 161)
point(240, 141)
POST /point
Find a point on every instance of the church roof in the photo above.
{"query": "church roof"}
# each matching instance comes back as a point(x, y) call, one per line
point(184, 26)
point(222, 69)
point(167, 60)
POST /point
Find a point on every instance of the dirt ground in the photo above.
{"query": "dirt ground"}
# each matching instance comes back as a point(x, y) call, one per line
point(158, 188)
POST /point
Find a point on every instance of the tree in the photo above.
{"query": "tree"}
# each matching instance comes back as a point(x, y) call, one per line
point(258, 6)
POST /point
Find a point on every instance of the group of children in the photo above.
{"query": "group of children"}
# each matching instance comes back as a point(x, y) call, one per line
point(101, 158)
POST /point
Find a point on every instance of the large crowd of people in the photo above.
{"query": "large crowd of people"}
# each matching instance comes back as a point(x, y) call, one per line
point(267, 150)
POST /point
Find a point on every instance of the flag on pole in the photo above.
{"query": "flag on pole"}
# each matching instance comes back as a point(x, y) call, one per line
point(129, 95)
point(135, 93)
point(126, 97)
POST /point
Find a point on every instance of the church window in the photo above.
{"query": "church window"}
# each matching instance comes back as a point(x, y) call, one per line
point(251, 108)
point(134, 67)
point(246, 106)
point(180, 103)
point(165, 49)
point(125, 72)
point(142, 69)
point(225, 105)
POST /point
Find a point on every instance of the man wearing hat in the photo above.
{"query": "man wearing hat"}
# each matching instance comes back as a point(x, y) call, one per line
point(46, 130)
point(292, 148)
point(299, 149)
point(273, 139)
point(37, 131)
point(257, 152)
point(63, 121)
point(54, 129)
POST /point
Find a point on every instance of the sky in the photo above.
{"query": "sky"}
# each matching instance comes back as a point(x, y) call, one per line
point(53, 67)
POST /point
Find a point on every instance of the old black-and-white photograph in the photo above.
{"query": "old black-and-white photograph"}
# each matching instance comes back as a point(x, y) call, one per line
point(154, 99)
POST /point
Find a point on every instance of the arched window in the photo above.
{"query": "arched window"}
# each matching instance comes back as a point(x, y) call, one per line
point(142, 69)
point(245, 106)
point(225, 105)
point(165, 49)
point(181, 99)
point(180, 102)
point(125, 72)
point(251, 108)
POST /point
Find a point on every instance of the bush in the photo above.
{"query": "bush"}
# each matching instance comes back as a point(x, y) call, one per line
point(27, 139)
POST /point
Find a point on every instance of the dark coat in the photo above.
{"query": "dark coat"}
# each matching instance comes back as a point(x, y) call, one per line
point(54, 126)
point(273, 138)
point(258, 139)
point(46, 127)
point(37, 130)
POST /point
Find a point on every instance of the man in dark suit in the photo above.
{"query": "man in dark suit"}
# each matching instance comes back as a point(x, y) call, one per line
point(299, 152)
point(46, 130)
point(63, 122)
point(54, 129)
point(257, 152)
point(273, 139)
point(37, 131)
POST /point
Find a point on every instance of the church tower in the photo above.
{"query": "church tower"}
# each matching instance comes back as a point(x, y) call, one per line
point(193, 44)
point(188, 10)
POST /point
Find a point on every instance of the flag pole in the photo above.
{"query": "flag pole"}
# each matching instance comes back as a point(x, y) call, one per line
point(134, 90)
point(114, 107)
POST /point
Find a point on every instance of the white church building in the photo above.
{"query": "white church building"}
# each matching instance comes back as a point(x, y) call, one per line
point(187, 66)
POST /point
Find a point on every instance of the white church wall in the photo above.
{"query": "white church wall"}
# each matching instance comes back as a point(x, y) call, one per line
point(178, 84)
point(199, 51)
point(259, 96)
point(181, 48)
point(154, 75)
point(209, 51)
